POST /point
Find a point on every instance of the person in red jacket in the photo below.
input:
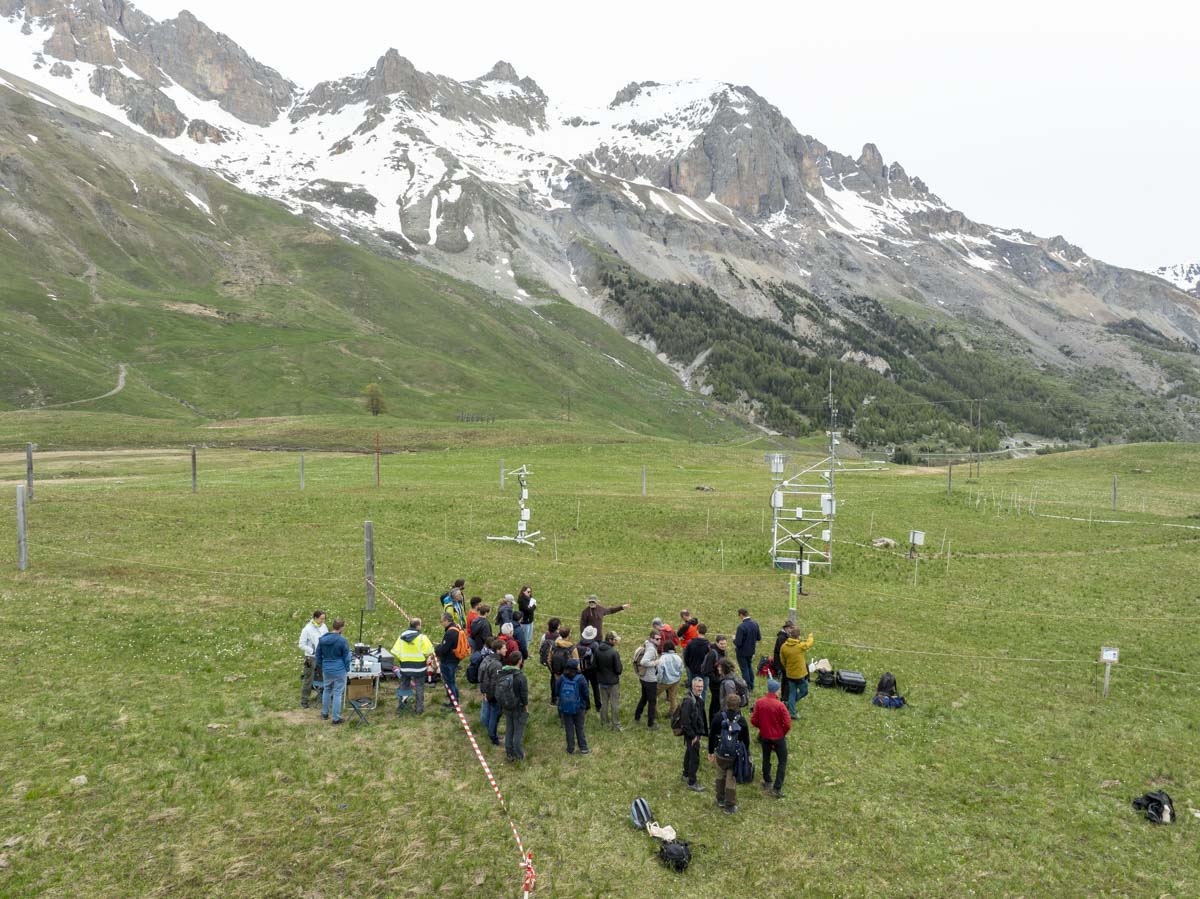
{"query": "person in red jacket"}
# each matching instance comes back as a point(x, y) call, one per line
point(773, 721)
point(687, 629)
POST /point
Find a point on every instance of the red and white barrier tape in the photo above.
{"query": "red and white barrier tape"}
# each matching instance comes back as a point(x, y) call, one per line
point(526, 857)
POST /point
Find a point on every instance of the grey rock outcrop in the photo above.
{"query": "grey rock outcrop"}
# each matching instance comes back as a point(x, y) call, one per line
point(146, 106)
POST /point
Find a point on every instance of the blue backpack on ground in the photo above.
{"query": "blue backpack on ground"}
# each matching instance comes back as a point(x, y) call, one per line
point(568, 695)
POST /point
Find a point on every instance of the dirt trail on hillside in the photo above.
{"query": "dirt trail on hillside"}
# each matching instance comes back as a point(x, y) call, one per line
point(91, 399)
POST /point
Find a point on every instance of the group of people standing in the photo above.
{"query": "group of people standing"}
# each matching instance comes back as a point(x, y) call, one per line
point(585, 674)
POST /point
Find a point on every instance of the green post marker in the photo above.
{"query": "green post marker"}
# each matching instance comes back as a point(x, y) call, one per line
point(793, 589)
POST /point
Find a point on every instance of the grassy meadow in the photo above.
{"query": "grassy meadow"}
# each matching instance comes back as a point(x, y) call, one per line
point(151, 649)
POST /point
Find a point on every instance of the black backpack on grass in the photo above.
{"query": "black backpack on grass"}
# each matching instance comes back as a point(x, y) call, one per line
point(675, 854)
point(1158, 807)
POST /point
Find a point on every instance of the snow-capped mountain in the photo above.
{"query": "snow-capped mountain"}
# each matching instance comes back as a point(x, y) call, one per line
point(493, 180)
point(1185, 276)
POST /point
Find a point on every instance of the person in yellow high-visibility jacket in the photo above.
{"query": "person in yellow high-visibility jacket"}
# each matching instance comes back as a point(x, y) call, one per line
point(795, 668)
point(412, 650)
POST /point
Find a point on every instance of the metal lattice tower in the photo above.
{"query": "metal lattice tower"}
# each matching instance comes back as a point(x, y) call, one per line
point(528, 539)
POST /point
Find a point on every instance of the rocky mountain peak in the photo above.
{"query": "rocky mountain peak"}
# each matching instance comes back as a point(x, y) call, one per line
point(502, 71)
point(630, 91)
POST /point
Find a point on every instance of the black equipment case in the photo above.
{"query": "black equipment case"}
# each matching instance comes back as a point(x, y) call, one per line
point(851, 681)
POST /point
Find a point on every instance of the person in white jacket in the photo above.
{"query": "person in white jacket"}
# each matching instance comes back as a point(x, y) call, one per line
point(670, 669)
point(312, 632)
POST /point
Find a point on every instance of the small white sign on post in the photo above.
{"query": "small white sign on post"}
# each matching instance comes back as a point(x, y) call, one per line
point(916, 538)
point(1110, 656)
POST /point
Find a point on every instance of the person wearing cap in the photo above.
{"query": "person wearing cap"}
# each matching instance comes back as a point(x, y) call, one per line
point(694, 726)
point(586, 650)
point(573, 717)
point(608, 674)
point(593, 614)
point(773, 721)
point(314, 629)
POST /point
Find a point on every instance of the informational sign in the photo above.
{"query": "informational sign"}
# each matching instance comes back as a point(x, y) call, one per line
point(1109, 655)
point(916, 538)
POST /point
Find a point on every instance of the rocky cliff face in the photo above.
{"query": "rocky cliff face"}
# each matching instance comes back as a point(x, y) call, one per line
point(182, 51)
point(491, 180)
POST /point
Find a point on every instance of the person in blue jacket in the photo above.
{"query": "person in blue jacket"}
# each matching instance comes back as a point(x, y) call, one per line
point(333, 658)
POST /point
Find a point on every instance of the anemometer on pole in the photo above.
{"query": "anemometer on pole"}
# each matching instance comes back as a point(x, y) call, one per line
point(803, 509)
point(522, 474)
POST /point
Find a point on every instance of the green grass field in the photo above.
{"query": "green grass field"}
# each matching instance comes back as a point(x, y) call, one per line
point(151, 648)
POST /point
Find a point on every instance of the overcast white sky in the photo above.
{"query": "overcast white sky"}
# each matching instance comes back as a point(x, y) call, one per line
point(1072, 118)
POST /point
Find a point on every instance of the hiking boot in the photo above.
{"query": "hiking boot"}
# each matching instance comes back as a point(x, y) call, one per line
point(729, 809)
point(684, 778)
point(618, 728)
point(775, 793)
point(337, 721)
point(696, 788)
point(324, 717)
point(766, 786)
point(721, 804)
point(584, 751)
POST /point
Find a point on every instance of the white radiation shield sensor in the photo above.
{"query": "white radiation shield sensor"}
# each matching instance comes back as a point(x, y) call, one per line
point(916, 538)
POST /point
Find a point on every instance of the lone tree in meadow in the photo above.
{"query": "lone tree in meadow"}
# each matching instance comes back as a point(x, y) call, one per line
point(374, 399)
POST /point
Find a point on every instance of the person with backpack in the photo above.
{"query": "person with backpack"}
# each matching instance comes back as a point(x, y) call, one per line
point(771, 718)
point(692, 727)
point(731, 683)
point(479, 631)
point(452, 603)
point(452, 650)
point(725, 732)
point(411, 652)
point(333, 658)
point(527, 606)
point(545, 648)
point(670, 670)
point(593, 613)
point(709, 671)
point(795, 668)
point(665, 631)
point(562, 651)
point(512, 693)
point(489, 670)
point(697, 651)
point(646, 662)
point(608, 675)
point(586, 650)
point(573, 705)
point(745, 644)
